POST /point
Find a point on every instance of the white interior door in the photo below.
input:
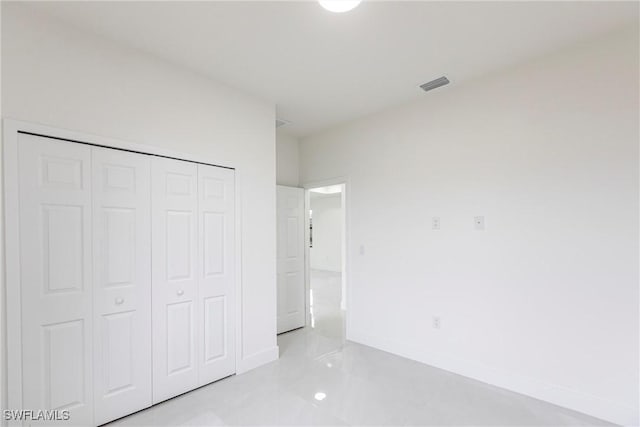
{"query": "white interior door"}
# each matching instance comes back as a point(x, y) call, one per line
point(175, 278)
point(216, 295)
point(290, 268)
point(56, 290)
point(122, 282)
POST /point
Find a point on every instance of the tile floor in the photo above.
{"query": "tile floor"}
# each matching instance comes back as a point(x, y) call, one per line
point(322, 380)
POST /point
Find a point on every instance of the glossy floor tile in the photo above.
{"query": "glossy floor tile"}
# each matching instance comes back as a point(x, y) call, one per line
point(322, 380)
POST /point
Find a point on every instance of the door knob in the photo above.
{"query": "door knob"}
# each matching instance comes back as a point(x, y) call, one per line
point(119, 300)
point(180, 292)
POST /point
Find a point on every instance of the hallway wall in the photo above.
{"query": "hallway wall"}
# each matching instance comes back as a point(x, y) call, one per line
point(326, 253)
point(287, 159)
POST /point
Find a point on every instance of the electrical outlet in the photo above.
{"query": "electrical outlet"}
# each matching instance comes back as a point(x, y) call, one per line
point(478, 222)
point(436, 322)
point(435, 223)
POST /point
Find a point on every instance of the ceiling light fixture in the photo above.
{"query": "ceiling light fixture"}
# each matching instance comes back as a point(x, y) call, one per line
point(339, 6)
point(320, 396)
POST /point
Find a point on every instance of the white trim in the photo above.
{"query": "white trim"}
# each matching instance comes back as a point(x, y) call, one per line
point(343, 260)
point(548, 392)
point(307, 259)
point(258, 359)
point(12, 264)
point(10, 128)
point(346, 242)
point(238, 267)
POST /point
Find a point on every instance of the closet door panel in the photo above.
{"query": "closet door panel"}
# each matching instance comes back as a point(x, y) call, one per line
point(56, 291)
point(216, 282)
point(122, 283)
point(175, 280)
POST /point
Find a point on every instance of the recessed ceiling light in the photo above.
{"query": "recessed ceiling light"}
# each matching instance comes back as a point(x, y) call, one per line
point(339, 6)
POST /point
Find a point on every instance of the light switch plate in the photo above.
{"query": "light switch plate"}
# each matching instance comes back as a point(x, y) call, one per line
point(435, 223)
point(436, 322)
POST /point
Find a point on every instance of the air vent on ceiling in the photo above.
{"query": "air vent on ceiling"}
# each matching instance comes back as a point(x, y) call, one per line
point(435, 83)
point(281, 122)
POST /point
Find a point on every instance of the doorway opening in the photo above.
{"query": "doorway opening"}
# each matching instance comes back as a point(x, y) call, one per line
point(326, 275)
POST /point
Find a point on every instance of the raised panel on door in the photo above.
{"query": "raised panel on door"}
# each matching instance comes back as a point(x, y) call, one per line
point(56, 282)
point(174, 275)
point(180, 337)
point(290, 264)
point(122, 283)
point(216, 281)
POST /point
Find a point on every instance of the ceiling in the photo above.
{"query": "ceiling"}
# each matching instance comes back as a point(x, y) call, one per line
point(322, 69)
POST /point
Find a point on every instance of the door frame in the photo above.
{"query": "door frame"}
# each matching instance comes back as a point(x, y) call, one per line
point(10, 302)
point(346, 245)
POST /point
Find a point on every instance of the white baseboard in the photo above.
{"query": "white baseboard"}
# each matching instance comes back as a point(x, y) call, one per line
point(552, 393)
point(258, 359)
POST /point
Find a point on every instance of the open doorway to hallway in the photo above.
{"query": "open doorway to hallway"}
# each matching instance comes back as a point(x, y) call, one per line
point(311, 259)
point(326, 279)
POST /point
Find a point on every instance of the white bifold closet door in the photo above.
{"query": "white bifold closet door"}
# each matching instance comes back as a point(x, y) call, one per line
point(290, 266)
point(193, 276)
point(175, 282)
point(121, 282)
point(55, 269)
point(216, 273)
point(127, 288)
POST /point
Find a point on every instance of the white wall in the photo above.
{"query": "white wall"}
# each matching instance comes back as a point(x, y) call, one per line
point(326, 253)
point(545, 301)
point(286, 159)
point(55, 75)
